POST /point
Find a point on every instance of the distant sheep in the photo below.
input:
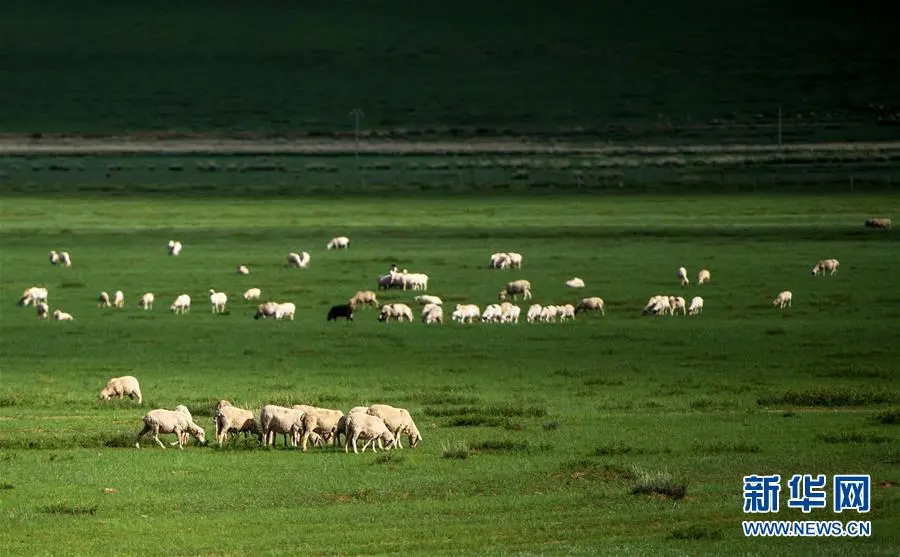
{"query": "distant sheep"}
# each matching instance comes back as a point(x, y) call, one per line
point(398, 421)
point(425, 299)
point(119, 300)
point(683, 276)
point(534, 313)
point(397, 312)
point(252, 294)
point(574, 282)
point(696, 306)
point(299, 260)
point(371, 428)
point(500, 261)
point(432, 313)
point(286, 309)
point(65, 259)
point(103, 300)
point(878, 223)
point(243, 270)
point(322, 421)
point(466, 313)
point(217, 300)
point(509, 313)
point(830, 265)
point(146, 301)
point(174, 247)
point(339, 242)
point(492, 314)
point(364, 298)
point(341, 428)
point(783, 299)
point(121, 387)
point(342, 310)
point(657, 305)
point(267, 309)
point(170, 421)
point(43, 310)
point(517, 287)
point(703, 276)
point(515, 260)
point(677, 303)
point(591, 304)
point(54, 257)
point(566, 312)
point(182, 304)
point(34, 294)
point(62, 316)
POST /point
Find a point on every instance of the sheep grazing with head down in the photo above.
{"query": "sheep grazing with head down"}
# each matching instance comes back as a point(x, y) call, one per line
point(683, 276)
point(696, 306)
point(267, 309)
point(252, 294)
point(65, 259)
point(121, 387)
point(230, 419)
point(275, 419)
point(323, 421)
point(181, 305)
point(119, 300)
point(878, 223)
point(146, 301)
point(34, 294)
point(830, 265)
point(177, 421)
point(369, 427)
point(591, 304)
point(517, 287)
point(103, 300)
point(783, 299)
point(397, 420)
point(174, 247)
point(43, 310)
point(338, 242)
point(500, 260)
point(54, 257)
point(299, 260)
point(432, 313)
point(703, 276)
point(342, 310)
point(364, 298)
point(243, 270)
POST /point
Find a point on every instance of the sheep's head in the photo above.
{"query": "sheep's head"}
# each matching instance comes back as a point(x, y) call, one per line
point(414, 436)
point(198, 433)
point(388, 438)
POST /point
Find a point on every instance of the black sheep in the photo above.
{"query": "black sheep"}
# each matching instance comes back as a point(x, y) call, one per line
point(343, 310)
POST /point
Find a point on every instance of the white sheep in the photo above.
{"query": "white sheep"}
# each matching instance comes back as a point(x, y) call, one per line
point(34, 294)
point(339, 242)
point(243, 270)
point(696, 306)
point(323, 421)
point(492, 314)
point(566, 312)
point(515, 288)
point(267, 309)
point(175, 421)
point(174, 247)
point(466, 313)
point(574, 282)
point(146, 301)
point(62, 316)
point(121, 387)
point(515, 260)
point(65, 259)
point(300, 260)
point(534, 312)
point(398, 421)
point(783, 299)
point(432, 313)
point(341, 428)
point(657, 305)
point(252, 294)
point(279, 419)
point(500, 261)
point(414, 281)
point(703, 276)
point(591, 304)
point(286, 309)
point(231, 419)
point(549, 314)
point(425, 299)
point(509, 313)
point(677, 303)
point(103, 300)
point(119, 300)
point(54, 257)
point(683, 276)
point(371, 428)
point(397, 312)
point(217, 300)
point(364, 298)
point(826, 265)
point(182, 304)
point(43, 310)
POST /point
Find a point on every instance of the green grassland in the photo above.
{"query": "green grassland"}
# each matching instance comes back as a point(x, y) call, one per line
point(536, 436)
point(647, 71)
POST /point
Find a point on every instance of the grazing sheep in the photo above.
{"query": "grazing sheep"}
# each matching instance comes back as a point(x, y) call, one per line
point(549, 314)
point(286, 309)
point(432, 313)
point(393, 279)
point(534, 312)
point(492, 314)
point(397, 312)
point(397, 420)
point(174, 247)
point(826, 265)
point(119, 300)
point(683, 276)
point(34, 294)
point(103, 300)
point(182, 304)
point(279, 419)
point(566, 312)
point(696, 306)
point(783, 299)
point(217, 300)
point(509, 313)
point(339, 242)
point(323, 421)
point(677, 303)
point(121, 387)
point(515, 288)
point(515, 260)
point(369, 427)
point(243, 270)
point(54, 257)
point(425, 299)
point(65, 259)
point(574, 282)
point(146, 301)
point(267, 309)
point(342, 310)
point(230, 419)
point(364, 298)
point(466, 313)
point(657, 305)
point(62, 316)
point(171, 421)
point(591, 304)
point(878, 223)
point(252, 294)
point(500, 261)
point(43, 310)
point(341, 428)
point(703, 276)
point(300, 260)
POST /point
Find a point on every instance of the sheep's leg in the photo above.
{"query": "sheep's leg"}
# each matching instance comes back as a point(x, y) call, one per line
point(156, 437)
point(353, 443)
point(144, 431)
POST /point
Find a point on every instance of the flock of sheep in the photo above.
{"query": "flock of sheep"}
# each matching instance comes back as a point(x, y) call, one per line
point(377, 425)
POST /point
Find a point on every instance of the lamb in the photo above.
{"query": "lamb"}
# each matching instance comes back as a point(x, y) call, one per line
point(397, 420)
point(279, 419)
point(103, 300)
point(696, 306)
point(230, 419)
point(368, 427)
point(121, 387)
point(574, 282)
point(217, 300)
point(534, 312)
point(43, 310)
point(34, 294)
point(466, 313)
point(341, 428)
point(432, 313)
point(174, 247)
point(300, 260)
point(677, 303)
point(395, 311)
point(62, 316)
point(878, 223)
point(500, 261)
point(683, 276)
point(826, 265)
point(509, 313)
point(783, 299)
point(591, 304)
point(65, 259)
point(267, 309)
point(364, 298)
point(146, 301)
point(252, 294)
point(182, 304)
point(515, 260)
point(286, 309)
point(339, 242)
point(119, 300)
point(322, 421)
point(243, 270)
point(175, 421)
point(515, 288)
point(703, 276)
point(343, 310)
point(425, 299)
point(54, 257)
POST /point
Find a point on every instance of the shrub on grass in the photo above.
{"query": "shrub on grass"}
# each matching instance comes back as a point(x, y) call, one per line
point(70, 510)
point(888, 417)
point(827, 397)
point(651, 482)
point(852, 437)
point(459, 450)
